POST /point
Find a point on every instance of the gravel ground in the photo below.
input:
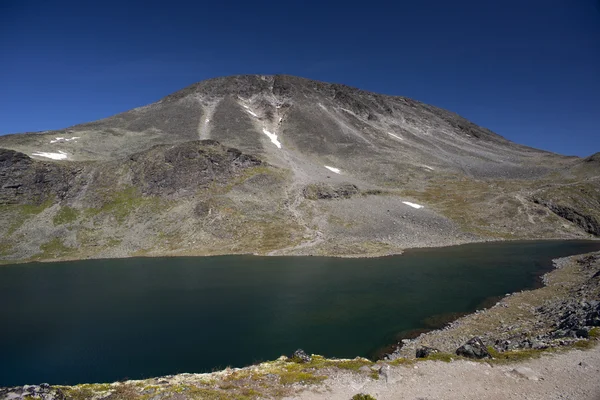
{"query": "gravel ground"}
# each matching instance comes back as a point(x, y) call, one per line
point(571, 375)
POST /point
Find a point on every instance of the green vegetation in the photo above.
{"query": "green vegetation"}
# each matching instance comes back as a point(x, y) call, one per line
point(595, 333)
point(53, 249)
point(5, 249)
point(122, 203)
point(362, 396)
point(65, 215)
point(20, 213)
point(445, 357)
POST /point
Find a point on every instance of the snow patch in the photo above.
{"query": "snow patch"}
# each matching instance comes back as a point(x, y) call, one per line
point(273, 137)
point(332, 169)
point(61, 155)
point(348, 111)
point(251, 113)
point(428, 167)
point(322, 106)
point(62, 139)
point(413, 205)
point(396, 136)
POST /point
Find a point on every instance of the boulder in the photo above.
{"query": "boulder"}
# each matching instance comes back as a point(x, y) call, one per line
point(300, 356)
point(474, 348)
point(424, 351)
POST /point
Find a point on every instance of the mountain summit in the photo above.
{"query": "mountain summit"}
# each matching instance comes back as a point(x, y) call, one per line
point(282, 165)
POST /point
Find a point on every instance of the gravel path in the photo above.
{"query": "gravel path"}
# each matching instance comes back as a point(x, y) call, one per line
point(571, 375)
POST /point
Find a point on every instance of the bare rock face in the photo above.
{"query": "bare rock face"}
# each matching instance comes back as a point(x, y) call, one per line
point(186, 168)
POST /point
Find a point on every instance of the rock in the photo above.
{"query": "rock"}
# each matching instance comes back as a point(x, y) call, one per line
point(582, 333)
point(474, 348)
point(385, 372)
point(365, 368)
point(425, 351)
point(330, 192)
point(526, 373)
point(300, 356)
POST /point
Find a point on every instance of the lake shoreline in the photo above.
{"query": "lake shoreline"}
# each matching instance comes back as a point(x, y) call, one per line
point(569, 276)
point(269, 254)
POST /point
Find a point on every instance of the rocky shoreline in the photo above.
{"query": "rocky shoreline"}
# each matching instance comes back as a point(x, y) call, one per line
point(562, 315)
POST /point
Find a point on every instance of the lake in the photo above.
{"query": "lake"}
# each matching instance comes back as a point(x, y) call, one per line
point(106, 320)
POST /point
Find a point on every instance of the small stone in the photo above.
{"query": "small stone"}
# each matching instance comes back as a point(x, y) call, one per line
point(527, 373)
point(425, 351)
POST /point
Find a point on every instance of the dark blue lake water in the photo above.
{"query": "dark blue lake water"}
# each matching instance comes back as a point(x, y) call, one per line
point(105, 320)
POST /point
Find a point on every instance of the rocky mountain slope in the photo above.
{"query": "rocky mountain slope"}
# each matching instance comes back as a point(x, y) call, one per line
point(282, 165)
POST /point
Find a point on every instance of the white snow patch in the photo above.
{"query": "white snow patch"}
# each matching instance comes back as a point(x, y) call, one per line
point(251, 113)
point(345, 109)
point(322, 106)
point(62, 139)
point(413, 205)
point(207, 120)
point(61, 155)
point(273, 137)
point(428, 167)
point(332, 169)
point(396, 136)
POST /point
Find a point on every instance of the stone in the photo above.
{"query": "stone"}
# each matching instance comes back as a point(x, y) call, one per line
point(474, 348)
point(300, 356)
point(385, 372)
point(526, 373)
point(425, 351)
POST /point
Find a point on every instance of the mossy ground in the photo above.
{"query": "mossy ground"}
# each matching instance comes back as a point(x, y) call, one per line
point(65, 215)
point(19, 213)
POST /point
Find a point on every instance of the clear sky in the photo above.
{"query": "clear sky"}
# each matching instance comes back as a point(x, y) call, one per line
point(527, 69)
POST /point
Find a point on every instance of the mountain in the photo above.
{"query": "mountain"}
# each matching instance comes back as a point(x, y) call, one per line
point(282, 165)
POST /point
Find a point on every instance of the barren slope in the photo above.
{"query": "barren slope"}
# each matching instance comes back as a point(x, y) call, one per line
point(342, 171)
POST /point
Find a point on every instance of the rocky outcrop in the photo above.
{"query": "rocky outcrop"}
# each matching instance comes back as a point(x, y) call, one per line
point(186, 168)
point(474, 348)
point(25, 181)
point(40, 392)
point(577, 215)
point(330, 192)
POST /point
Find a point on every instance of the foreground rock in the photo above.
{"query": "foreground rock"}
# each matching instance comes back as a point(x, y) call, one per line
point(474, 348)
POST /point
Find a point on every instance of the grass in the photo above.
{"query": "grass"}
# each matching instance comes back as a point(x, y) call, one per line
point(123, 202)
point(514, 355)
point(5, 249)
point(445, 357)
point(22, 212)
point(362, 396)
point(65, 215)
point(53, 249)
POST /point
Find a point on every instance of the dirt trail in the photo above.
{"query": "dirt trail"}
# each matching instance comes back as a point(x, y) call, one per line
point(573, 375)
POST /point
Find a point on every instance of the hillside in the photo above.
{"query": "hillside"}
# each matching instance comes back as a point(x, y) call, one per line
point(282, 165)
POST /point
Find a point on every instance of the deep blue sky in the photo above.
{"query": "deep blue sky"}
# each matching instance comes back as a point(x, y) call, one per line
point(527, 69)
